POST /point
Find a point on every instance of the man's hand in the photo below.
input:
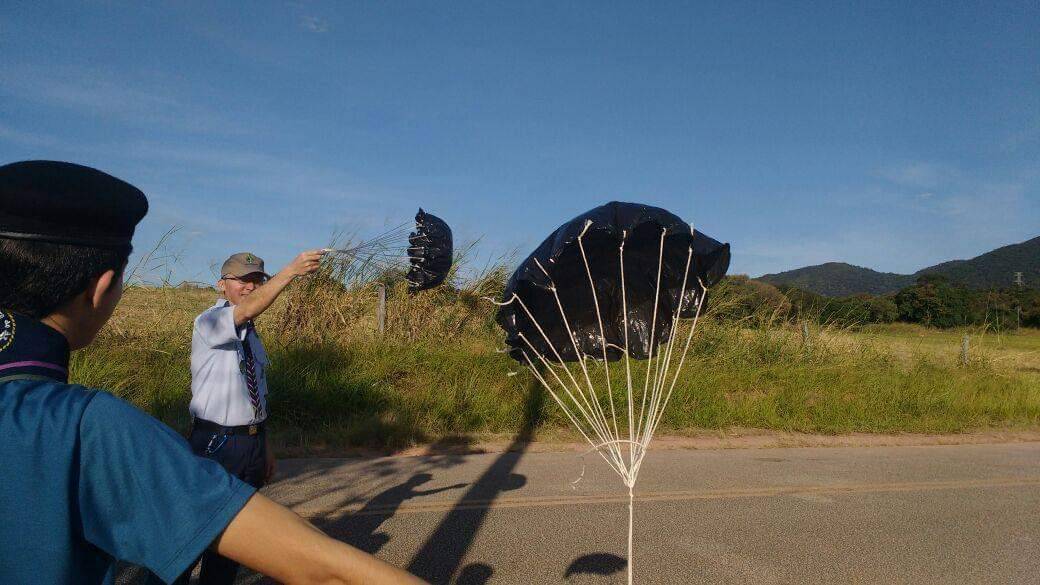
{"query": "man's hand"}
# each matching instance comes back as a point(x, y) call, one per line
point(306, 263)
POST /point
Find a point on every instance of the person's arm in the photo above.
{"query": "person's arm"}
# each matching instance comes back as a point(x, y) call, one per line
point(273, 540)
point(143, 497)
point(260, 299)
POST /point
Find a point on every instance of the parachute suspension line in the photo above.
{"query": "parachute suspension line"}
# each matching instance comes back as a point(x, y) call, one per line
point(392, 238)
point(628, 361)
point(666, 357)
point(686, 348)
point(581, 405)
point(663, 373)
point(631, 557)
point(593, 398)
point(566, 410)
point(589, 418)
point(653, 333)
point(599, 320)
point(655, 418)
point(595, 418)
point(587, 413)
point(670, 333)
point(617, 466)
point(698, 299)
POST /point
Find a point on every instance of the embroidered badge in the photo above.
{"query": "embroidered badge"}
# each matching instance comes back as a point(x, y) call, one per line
point(7, 327)
point(250, 259)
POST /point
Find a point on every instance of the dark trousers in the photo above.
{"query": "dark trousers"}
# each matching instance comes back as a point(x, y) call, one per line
point(244, 456)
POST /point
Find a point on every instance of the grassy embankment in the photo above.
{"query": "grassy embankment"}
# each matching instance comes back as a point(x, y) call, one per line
point(436, 373)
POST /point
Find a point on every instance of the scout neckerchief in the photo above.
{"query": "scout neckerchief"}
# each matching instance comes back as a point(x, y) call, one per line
point(249, 371)
point(30, 350)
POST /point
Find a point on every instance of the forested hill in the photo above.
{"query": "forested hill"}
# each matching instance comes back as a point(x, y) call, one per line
point(993, 269)
point(837, 279)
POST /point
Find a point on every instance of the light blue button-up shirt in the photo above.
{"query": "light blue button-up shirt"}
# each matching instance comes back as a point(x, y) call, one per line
point(219, 392)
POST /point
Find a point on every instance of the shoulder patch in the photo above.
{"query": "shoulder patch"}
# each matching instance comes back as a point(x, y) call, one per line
point(7, 329)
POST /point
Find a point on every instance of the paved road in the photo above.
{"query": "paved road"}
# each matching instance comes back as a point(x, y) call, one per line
point(940, 514)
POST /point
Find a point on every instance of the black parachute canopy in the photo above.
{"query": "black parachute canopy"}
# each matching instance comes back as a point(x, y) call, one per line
point(429, 251)
point(606, 227)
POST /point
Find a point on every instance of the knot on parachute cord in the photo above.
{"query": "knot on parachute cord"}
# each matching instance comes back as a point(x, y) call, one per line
point(641, 450)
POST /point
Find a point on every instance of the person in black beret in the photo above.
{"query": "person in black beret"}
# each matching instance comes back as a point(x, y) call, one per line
point(88, 478)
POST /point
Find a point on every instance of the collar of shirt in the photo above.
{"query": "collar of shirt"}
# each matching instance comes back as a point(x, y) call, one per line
point(31, 348)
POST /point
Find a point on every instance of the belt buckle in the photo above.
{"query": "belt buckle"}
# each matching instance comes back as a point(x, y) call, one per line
point(253, 429)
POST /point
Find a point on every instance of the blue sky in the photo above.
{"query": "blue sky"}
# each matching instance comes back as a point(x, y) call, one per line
point(888, 135)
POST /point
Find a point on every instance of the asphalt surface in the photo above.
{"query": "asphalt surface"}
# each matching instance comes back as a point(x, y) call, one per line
point(937, 514)
point(959, 514)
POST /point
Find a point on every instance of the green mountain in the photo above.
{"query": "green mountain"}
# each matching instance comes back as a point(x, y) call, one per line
point(990, 270)
point(837, 279)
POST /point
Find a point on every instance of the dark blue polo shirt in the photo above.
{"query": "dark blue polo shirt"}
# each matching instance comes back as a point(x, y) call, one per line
point(89, 479)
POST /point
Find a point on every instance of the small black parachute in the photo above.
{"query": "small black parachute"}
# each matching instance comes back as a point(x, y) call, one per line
point(429, 251)
point(558, 262)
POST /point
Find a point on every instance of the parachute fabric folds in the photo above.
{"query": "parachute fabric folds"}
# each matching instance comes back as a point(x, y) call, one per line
point(430, 252)
point(558, 262)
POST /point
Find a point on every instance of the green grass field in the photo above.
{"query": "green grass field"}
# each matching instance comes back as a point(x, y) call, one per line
point(436, 373)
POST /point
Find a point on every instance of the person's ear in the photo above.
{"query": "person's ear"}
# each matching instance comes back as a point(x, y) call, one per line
point(220, 285)
point(102, 287)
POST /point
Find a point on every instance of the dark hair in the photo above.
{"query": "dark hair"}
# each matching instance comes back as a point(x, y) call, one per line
point(36, 278)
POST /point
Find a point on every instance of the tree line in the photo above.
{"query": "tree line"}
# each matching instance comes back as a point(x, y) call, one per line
point(933, 300)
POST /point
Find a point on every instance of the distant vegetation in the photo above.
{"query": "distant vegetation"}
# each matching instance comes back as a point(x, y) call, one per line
point(932, 300)
point(993, 270)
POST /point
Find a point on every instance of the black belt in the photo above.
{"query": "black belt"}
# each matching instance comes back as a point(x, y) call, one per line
point(212, 427)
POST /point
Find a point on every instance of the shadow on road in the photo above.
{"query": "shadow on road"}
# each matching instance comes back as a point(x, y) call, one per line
point(595, 564)
point(359, 528)
point(441, 555)
point(475, 574)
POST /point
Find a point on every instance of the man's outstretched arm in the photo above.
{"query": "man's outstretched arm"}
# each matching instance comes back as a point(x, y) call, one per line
point(273, 540)
point(260, 299)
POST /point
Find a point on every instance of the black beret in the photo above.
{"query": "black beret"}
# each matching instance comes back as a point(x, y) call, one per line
point(66, 203)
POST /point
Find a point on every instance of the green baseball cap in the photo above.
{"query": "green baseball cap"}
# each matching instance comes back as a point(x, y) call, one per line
point(241, 264)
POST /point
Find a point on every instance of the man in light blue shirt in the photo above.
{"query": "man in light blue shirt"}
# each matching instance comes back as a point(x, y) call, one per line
point(229, 381)
point(223, 347)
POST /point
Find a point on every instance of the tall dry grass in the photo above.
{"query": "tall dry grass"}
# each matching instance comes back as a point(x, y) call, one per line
point(438, 371)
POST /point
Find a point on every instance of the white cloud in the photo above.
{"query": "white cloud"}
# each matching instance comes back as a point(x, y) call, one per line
point(920, 175)
point(267, 173)
point(899, 225)
point(987, 200)
point(27, 138)
point(147, 102)
point(314, 24)
point(985, 204)
point(1028, 134)
point(881, 249)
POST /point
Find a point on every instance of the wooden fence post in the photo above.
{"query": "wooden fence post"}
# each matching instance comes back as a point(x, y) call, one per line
point(381, 309)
